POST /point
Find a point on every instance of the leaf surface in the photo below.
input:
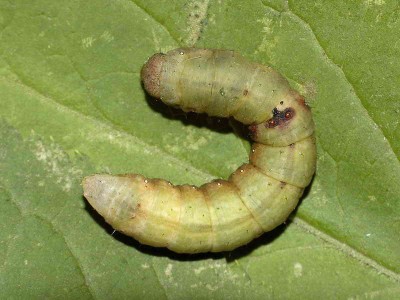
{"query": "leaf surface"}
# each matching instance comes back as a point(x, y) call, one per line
point(71, 104)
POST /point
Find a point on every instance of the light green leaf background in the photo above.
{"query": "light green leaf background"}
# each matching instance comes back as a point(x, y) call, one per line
point(71, 104)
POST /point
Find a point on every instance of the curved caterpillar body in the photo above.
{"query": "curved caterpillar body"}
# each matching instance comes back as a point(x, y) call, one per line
point(223, 214)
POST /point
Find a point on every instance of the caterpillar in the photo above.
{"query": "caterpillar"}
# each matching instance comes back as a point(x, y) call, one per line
point(223, 214)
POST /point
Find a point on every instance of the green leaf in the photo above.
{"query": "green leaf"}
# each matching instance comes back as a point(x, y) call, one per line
point(71, 104)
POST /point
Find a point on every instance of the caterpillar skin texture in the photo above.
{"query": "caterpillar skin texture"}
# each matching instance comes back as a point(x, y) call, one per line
point(224, 214)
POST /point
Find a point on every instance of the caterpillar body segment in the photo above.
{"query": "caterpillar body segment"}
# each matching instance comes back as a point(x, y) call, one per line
point(222, 83)
point(224, 214)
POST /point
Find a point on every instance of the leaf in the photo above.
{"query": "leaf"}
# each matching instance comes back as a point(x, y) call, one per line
point(71, 104)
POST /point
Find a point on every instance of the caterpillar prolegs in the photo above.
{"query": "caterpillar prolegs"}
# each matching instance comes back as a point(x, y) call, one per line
point(223, 214)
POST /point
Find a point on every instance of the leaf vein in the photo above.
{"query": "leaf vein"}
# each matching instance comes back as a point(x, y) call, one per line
point(340, 69)
point(157, 21)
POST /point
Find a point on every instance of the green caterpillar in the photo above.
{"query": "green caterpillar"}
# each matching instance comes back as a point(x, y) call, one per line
point(224, 214)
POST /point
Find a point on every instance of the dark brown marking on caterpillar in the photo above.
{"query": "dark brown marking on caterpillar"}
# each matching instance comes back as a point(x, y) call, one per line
point(280, 117)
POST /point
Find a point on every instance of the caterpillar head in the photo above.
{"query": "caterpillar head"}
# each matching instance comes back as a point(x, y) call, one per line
point(290, 121)
point(151, 74)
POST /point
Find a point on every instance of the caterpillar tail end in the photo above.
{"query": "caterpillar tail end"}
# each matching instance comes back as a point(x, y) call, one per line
point(96, 191)
point(151, 73)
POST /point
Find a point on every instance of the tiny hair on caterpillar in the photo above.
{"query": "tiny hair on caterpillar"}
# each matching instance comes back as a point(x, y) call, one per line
point(223, 214)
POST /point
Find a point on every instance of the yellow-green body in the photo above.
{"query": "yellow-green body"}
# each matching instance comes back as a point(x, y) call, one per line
point(225, 214)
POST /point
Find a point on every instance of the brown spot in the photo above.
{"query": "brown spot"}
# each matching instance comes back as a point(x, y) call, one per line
point(245, 92)
point(280, 117)
point(253, 131)
point(292, 145)
point(272, 123)
point(282, 184)
point(151, 73)
point(288, 115)
point(300, 99)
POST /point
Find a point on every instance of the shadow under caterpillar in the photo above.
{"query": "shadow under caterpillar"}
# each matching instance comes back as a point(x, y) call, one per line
point(224, 214)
